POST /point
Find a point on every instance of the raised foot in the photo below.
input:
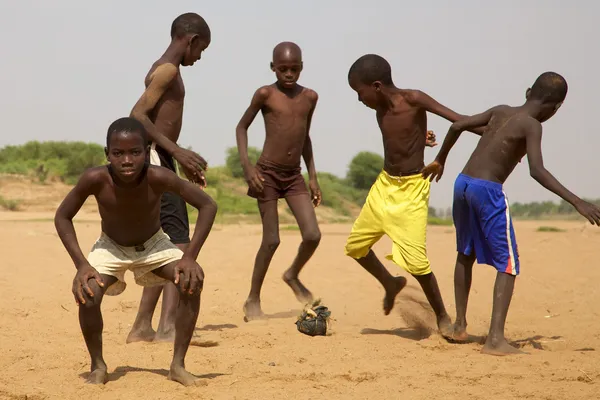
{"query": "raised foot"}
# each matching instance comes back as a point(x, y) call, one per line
point(252, 310)
point(179, 374)
point(141, 335)
point(458, 334)
point(165, 336)
point(391, 293)
point(499, 348)
point(98, 376)
point(303, 295)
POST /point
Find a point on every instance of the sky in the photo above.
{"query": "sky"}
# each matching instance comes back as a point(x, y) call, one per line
point(72, 67)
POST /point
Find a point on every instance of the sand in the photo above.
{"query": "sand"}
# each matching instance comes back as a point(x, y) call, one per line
point(554, 317)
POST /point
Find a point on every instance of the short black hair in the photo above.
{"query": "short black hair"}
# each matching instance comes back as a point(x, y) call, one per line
point(549, 87)
point(370, 68)
point(190, 23)
point(129, 125)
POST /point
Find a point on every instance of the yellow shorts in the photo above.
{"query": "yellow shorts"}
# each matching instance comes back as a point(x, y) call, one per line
point(397, 207)
point(110, 258)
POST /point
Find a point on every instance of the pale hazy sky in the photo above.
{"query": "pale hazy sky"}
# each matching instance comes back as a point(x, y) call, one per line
point(72, 67)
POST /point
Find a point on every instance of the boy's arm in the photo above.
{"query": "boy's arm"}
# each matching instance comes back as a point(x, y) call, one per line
point(163, 76)
point(307, 154)
point(70, 206)
point(423, 100)
point(436, 168)
point(241, 131)
point(193, 195)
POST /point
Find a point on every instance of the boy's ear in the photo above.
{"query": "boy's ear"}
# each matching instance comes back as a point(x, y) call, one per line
point(377, 86)
point(272, 66)
point(527, 93)
point(106, 153)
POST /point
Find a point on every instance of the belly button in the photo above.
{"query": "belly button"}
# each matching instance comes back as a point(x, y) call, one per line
point(289, 153)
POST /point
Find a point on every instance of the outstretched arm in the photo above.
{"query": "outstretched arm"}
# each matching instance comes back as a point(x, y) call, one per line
point(193, 165)
point(193, 195)
point(423, 100)
point(70, 206)
point(547, 180)
point(436, 168)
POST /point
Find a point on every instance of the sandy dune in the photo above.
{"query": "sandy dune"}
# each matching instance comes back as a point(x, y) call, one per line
point(554, 316)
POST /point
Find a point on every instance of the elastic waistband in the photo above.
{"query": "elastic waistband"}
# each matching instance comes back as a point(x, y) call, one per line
point(479, 182)
point(401, 178)
point(278, 167)
point(147, 244)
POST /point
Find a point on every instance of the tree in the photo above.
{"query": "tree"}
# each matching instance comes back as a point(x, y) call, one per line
point(364, 169)
point(233, 160)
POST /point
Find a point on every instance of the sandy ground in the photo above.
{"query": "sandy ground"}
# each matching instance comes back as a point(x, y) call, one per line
point(554, 317)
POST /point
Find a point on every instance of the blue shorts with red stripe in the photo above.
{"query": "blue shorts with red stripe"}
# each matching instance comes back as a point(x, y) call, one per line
point(483, 224)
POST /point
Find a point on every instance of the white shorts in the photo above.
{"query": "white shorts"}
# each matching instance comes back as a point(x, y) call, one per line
point(110, 258)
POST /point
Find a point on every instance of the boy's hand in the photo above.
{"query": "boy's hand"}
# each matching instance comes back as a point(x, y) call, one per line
point(189, 276)
point(433, 170)
point(590, 211)
point(430, 139)
point(80, 282)
point(192, 164)
point(254, 179)
point(315, 192)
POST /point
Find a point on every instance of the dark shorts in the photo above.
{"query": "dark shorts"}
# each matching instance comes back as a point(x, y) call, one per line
point(483, 224)
point(280, 181)
point(173, 209)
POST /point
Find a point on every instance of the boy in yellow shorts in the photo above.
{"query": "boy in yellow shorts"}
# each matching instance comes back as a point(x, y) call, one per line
point(398, 202)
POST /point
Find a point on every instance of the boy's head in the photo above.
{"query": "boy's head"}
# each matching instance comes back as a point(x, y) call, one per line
point(287, 63)
point(193, 32)
point(549, 89)
point(367, 76)
point(127, 148)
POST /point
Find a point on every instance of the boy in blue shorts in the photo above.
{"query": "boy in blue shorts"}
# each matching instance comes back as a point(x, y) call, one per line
point(484, 229)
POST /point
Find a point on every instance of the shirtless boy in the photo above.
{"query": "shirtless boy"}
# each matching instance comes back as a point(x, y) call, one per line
point(484, 229)
point(160, 109)
point(128, 192)
point(398, 202)
point(287, 109)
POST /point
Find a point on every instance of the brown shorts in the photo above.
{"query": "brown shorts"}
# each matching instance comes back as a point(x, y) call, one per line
point(280, 181)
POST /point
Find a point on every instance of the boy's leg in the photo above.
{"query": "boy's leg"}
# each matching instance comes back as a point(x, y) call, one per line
point(174, 222)
point(304, 212)
point(431, 289)
point(270, 242)
point(90, 320)
point(496, 343)
point(391, 284)
point(187, 312)
point(463, 274)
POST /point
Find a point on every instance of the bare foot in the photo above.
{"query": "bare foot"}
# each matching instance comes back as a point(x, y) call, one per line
point(140, 335)
point(303, 295)
point(444, 324)
point(458, 334)
point(98, 376)
point(179, 374)
point(252, 310)
point(165, 336)
point(499, 348)
point(390, 293)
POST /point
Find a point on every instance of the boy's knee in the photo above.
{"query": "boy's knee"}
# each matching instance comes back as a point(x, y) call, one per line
point(312, 237)
point(271, 244)
point(96, 299)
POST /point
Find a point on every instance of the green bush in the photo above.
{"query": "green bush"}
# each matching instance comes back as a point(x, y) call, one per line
point(364, 169)
point(233, 160)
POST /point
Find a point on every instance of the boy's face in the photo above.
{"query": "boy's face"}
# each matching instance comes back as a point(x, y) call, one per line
point(127, 155)
point(195, 47)
point(287, 68)
point(367, 94)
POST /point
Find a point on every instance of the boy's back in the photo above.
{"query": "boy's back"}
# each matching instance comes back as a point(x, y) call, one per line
point(502, 145)
point(167, 115)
